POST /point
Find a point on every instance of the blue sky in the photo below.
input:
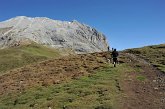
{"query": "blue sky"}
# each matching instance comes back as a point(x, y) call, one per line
point(126, 23)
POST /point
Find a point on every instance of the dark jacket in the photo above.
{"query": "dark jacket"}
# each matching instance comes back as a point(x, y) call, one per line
point(115, 54)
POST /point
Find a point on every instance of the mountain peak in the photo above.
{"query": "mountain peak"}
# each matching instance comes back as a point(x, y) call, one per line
point(22, 17)
point(53, 33)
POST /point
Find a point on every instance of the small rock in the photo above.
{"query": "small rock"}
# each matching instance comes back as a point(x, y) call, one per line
point(156, 88)
point(137, 92)
point(49, 107)
point(154, 81)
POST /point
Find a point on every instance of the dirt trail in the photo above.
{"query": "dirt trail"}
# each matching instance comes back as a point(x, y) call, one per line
point(148, 94)
point(135, 58)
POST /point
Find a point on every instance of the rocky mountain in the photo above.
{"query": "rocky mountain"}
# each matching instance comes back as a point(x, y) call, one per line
point(54, 33)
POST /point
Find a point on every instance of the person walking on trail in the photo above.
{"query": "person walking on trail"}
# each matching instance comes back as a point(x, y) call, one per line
point(114, 57)
point(108, 48)
point(112, 49)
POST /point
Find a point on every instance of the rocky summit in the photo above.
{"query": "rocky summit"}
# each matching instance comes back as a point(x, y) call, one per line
point(54, 33)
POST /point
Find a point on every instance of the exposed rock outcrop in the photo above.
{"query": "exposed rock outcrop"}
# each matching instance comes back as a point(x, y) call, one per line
point(54, 33)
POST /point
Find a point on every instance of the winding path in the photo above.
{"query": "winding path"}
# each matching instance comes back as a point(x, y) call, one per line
point(149, 94)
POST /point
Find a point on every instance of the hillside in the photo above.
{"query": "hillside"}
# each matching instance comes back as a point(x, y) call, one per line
point(153, 54)
point(11, 58)
point(85, 81)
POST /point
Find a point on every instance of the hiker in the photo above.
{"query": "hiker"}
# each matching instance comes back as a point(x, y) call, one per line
point(114, 56)
point(108, 57)
point(112, 49)
point(108, 48)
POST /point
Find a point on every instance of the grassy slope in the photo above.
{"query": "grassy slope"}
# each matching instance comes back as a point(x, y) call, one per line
point(19, 56)
point(97, 91)
point(100, 90)
point(154, 54)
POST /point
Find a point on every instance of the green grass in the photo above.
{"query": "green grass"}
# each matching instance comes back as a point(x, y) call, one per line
point(154, 54)
point(141, 78)
point(11, 58)
point(100, 90)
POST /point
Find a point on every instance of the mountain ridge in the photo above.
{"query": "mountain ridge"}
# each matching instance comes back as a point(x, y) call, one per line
point(53, 33)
